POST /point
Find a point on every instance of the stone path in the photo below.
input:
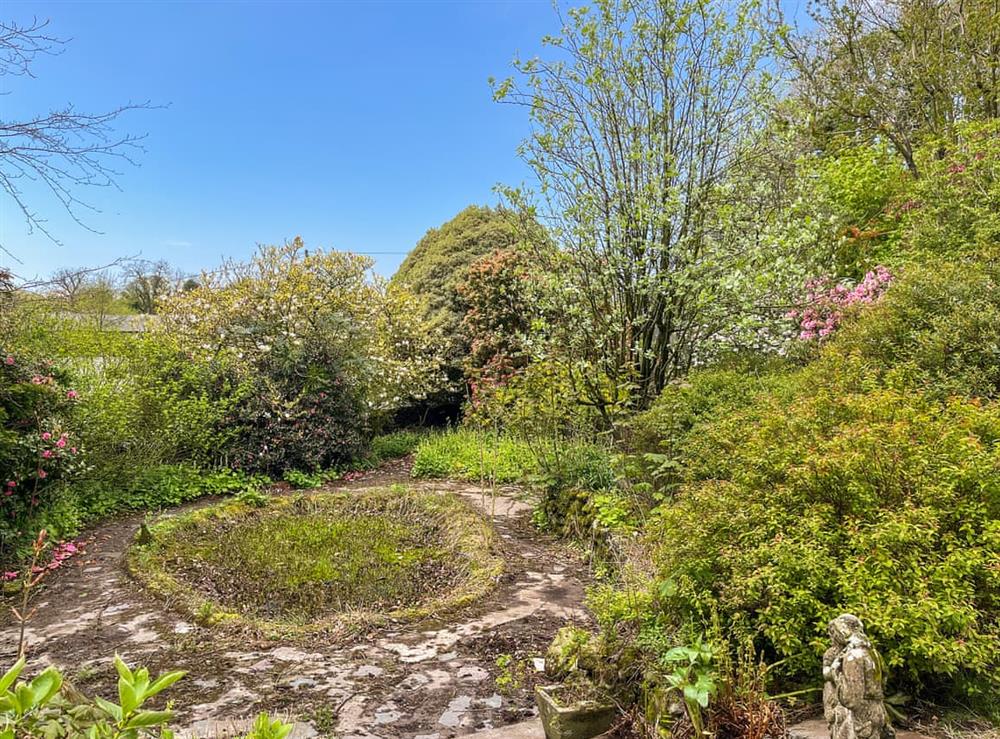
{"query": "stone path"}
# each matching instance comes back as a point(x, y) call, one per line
point(422, 681)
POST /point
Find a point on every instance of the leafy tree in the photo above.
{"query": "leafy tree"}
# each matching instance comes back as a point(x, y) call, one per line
point(148, 284)
point(640, 115)
point(902, 71)
point(437, 266)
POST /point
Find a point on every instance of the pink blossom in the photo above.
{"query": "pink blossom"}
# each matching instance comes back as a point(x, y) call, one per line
point(9, 360)
point(42, 474)
point(47, 454)
point(46, 436)
point(72, 450)
point(71, 394)
point(826, 301)
point(62, 442)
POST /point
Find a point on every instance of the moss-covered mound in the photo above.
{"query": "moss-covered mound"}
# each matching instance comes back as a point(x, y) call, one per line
point(312, 562)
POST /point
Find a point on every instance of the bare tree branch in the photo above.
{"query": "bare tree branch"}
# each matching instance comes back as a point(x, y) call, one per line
point(64, 150)
point(20, 44)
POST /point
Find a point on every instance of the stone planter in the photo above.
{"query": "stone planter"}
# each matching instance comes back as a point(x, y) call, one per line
point(572, 719)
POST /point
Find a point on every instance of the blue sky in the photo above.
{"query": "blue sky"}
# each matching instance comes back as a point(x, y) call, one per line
point(355, 125)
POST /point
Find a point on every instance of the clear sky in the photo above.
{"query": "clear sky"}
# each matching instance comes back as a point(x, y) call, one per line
point(355, 125)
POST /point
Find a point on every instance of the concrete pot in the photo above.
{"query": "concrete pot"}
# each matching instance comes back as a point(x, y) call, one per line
point(574, 720)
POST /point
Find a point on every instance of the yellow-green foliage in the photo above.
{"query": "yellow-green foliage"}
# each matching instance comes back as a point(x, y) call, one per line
point(953, 210)
point(867, 482)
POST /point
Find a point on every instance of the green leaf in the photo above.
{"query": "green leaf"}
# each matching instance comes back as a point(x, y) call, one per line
point(11, 675)
point(109, 708)
point(144, 719)
point(127, 697)
point(680, 654)
point(163, 682)
point(123, 671)
point(45, 686)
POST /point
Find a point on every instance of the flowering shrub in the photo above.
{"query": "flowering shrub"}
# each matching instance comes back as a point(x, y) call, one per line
point(37, 450)
point(324, 352)
point(304, 415)
point(826, 302)
point(862, 482)
point(498, 319)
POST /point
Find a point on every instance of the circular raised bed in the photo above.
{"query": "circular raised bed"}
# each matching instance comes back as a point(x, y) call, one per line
point(319, 561)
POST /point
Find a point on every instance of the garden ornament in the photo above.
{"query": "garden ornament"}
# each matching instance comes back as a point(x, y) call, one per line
point(853, 701)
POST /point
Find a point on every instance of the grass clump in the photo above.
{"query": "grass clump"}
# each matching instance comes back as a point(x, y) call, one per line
point(472, 455)
point(317, 561)
point(395, 445)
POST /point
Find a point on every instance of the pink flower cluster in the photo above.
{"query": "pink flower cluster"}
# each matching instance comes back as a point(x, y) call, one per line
point(60, 555)
point(53, 450)
point(826, 302)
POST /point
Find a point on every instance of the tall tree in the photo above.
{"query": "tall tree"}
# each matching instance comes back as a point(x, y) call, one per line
point(638, 117)
point(438, 264)
point(898, 70)
point(148, 283)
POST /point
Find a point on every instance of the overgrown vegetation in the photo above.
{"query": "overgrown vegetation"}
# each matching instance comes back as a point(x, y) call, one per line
point(751, 360)
point(319, 561)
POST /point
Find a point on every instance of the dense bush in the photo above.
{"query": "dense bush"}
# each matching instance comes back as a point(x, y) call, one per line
point(303, 415)
point(437, 266)
point(38, 451)
point(861, 482)
point(937, 329)
point(148, 403)
point(883, 504)
point(327, 353)
point(657, 436)
point(953, 210)
point(502, 310)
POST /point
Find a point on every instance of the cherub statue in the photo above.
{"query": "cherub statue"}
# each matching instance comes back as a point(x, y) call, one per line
point(853, 701)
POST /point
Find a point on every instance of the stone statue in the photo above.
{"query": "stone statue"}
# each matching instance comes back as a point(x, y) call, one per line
point(853, 701)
